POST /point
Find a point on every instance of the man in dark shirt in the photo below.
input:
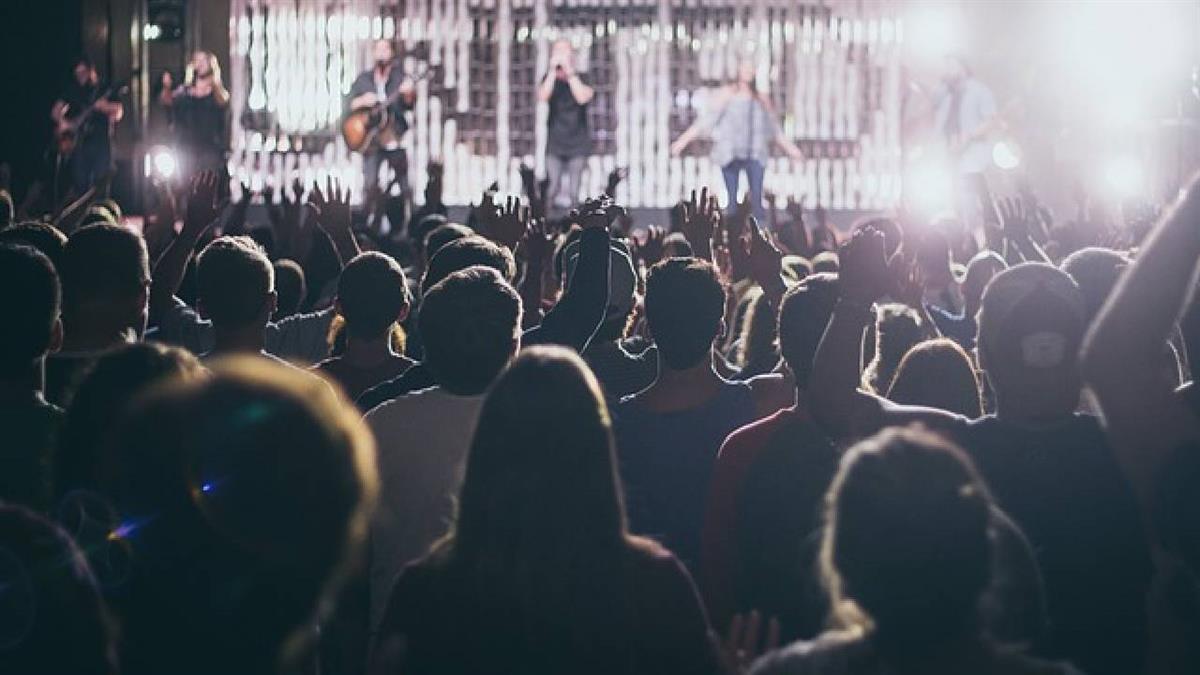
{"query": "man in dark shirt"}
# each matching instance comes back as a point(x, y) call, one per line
point(374, 87)
point(85, 116)
point(568, 139)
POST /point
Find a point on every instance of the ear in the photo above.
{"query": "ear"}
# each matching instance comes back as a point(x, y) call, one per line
point(56, 337)
point(337, 307)
point(402, 315)
point(272, 304)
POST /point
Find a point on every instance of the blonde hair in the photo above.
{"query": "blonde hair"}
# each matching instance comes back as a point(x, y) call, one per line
point(214, 68)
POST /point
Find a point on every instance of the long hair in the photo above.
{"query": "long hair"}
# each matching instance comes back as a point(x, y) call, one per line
point(937, 374)
point(906, 550)
point(214, 67)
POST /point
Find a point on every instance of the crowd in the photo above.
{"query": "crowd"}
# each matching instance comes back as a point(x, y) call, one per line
point(524, 444)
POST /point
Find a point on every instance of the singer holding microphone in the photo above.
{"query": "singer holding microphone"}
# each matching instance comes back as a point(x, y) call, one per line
point(743, 124)
point(568, 138)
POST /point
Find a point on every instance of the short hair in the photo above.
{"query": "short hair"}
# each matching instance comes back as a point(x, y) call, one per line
point(1096, 270)
point(907, 537)
point(422, 227)
point(233, 280)
point(43, 236)
point(372, 292)
point(467, 323)
point(803, 316)
point(685, 305)
point(980, 271)
point(444, 234)
point(261, 480)
point(7, 212)
point(825, 261)
point(51, 600)
point(897, 329)
point(102, 263)
point(291, 286)
point(33, 295)
point(467, 252)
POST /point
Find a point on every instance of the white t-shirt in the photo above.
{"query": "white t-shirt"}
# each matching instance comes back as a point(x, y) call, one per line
point(422, 440)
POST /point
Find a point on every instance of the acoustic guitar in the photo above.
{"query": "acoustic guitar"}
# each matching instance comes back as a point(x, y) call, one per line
point(364, 126)
point(68, 131)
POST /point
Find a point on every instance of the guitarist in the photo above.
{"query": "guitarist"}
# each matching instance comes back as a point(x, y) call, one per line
point(85, 117)
point(964, 117)
point(373, 87)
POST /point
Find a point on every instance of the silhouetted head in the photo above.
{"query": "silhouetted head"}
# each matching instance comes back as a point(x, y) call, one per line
point(52, 618)
point(906, 551)
point(685, 309)
point(105, 275)
point(31, 313)
point(235, 284)
point(981, 269)
point(372, 295)
point(383, 52)
point(470, 324)
point(244, 501)
point(42, 236)
point(1031, 323)
point(1096, 271)
point(897, 330)
point(466, 252)
point(291, 287)
point(803, 315)
point(937, 374)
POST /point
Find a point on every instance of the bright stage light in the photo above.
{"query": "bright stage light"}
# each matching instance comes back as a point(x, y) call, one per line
point(161, 163)
point(1124, 176)
point(151, 32)
point(934, 31)
point(1005, 156)
point(928, 187)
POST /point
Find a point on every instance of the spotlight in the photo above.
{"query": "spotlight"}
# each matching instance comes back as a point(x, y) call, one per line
point(151, 32)
point(161, 163)
point(1005, 156)
point(1124, 176)
point(928, 187)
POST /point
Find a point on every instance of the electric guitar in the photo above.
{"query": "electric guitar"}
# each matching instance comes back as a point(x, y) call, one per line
point(366, 125)
point(67, 131)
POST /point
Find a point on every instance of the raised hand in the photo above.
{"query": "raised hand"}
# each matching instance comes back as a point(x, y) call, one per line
point(331, 207)
point(597, 212)
point(202, 207)
point(863, 274)
point(763, 259)
point(236, 221)
point(746, 640)
point(1016, 218)
point(538, 243)
point(504, 224)
point(699, 222)
point(650, 248)
point(614, 179)
point(735, 238)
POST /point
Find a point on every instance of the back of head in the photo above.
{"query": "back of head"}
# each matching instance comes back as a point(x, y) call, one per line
point(685, 307)
point(244, 500)
point(803, 315)
point(470, 325)
point(1031, 323)
point(7, 212)
point(980, 270)
point(42, 236)
point(897, 329)
point(31, 309)
point(622, 286)
point(291, 286)
point(235, 282)
point(52, 618)
point(937, 374)
point(1096, 271)
point(103, 266)
point(444, 234)
point(100, 401)
point(906, 546)
point(421, 229)
point(466, 252)
point(372, 295)
point(825, 261)
point(540, 475)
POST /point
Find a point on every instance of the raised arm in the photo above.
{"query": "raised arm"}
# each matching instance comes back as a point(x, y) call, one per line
point(581, 309)
point(1123, 353)
point(168, 271)
point(332, 210)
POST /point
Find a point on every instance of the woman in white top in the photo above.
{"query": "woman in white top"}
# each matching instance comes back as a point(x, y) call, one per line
point(742, 123)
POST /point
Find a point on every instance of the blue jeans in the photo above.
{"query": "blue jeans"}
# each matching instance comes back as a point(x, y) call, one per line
point(754, 174)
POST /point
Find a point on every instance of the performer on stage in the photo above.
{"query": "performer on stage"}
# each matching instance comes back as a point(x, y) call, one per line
point(85, 115)
point(964, 117)
point(568, 137)
point(373, 87)
point(200, 110)
point(742, 123)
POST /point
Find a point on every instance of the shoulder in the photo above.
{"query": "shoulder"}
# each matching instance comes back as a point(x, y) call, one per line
point(829, 654)
point(746, 440)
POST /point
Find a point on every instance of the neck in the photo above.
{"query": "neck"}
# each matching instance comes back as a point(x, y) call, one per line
point(238, 340)
point(366, 353)
point(700, 377)
point(26, 385)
